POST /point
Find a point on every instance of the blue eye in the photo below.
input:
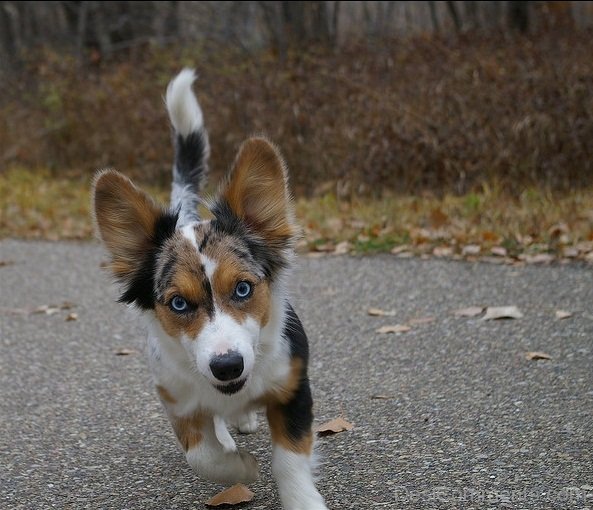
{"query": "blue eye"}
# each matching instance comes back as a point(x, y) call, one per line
point(178, 304)
point(242, 290)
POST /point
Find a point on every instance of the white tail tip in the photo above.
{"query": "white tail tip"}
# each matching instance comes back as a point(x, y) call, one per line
point(184, 111)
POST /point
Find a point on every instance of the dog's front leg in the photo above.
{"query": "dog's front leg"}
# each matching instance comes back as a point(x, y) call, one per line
point(292, 438)
point(207, 456)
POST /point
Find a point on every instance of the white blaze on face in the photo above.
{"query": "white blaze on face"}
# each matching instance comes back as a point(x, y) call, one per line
point(221, 335)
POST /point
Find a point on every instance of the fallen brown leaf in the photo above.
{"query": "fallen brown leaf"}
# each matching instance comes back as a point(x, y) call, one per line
point(324, 247)
point(377, 312)
point(471, 249)
point(316, 254)
point(343, 248)
point(421, 320)
point(502, 312)
point(124, 351)
point(4, 263)
point(71, 317)
point(570, 252)
point(396, 250)
point(470, 311)
point(562, 314)
point(396, 328)
point(333, 427)
point(46, 309)
point(536, 355)
point(540, 258)
point(499, 251)
point(234, 495)
point(442, 251)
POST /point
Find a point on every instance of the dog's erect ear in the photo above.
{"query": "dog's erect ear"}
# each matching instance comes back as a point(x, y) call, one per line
point(256, 192)
point(132, 226)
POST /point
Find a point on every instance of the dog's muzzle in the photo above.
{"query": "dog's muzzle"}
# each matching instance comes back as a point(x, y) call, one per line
point(228, 368)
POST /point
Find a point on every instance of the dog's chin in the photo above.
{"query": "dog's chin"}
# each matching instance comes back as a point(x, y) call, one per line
point(232, 387)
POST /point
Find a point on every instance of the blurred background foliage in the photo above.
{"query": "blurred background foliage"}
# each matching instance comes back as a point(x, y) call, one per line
point(363, 98)
point(436, 128)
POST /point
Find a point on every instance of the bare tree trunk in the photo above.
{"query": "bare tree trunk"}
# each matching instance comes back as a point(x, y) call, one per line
point(100, 28)
point(335, 22)
point(433, 16)
point(518, 15)
point(454, 15)
point(274, 21)
point(319, 22)
point(492, 10)
point(389, 17)
point(81, 29)
point(294, 21)
point(471, 13)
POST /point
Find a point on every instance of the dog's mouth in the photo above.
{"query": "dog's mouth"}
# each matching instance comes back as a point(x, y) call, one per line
point(232, 387)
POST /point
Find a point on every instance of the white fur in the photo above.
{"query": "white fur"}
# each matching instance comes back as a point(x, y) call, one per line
point(293, 474)
point(223, 435)
point(175, 370)
point(210, 265)
point(219, 336)
point(183, 107)
point(183, 369)
point(247, 423)
point(210, 460)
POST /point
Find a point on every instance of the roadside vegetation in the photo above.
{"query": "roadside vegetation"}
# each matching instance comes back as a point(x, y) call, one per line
point(427, 145)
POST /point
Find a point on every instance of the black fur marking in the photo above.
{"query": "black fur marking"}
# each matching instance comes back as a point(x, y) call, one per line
point(140, 287)
point(269, 258)
point(296, 336)
point(232, 388)
point(209, 303)
point(298, 412)
point(190, 159)
point(167, 272)
point(204, 241)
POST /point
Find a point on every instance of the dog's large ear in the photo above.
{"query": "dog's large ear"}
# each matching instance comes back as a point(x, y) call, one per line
point(256, 192)
point(132, 227)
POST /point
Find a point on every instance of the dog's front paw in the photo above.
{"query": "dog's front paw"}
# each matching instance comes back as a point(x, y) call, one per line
point(225, 467)
point(247, 423)
point(249, 471)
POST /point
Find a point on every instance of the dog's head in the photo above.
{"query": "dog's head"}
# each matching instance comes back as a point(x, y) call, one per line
point(210, 284)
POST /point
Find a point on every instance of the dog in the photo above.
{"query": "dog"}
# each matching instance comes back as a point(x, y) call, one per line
point(223, 338)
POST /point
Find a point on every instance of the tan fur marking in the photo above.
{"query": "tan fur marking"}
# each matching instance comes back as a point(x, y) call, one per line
point(280, 436)
point(274, 402)
point(257, 191)
point(165, 395)
point(228, 273)
point(188, 429)
point(284, 393)
point(176, 324)
point(187, 282)
point(125, 217)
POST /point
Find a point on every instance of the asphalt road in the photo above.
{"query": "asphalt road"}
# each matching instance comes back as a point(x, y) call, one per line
point(464, 419)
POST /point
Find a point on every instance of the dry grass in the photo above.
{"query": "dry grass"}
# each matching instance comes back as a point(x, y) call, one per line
point(439, 114)
point(37, 205)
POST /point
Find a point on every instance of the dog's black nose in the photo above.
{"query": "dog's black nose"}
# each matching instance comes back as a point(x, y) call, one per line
point(227, 367)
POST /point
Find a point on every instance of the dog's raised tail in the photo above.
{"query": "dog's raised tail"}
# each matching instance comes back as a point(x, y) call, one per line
point(192, 149)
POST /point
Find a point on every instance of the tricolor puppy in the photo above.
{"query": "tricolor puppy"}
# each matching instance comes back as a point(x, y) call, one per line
point(223, 339)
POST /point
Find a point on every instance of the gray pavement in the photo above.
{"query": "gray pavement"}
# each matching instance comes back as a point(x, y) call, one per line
point(465, 420)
